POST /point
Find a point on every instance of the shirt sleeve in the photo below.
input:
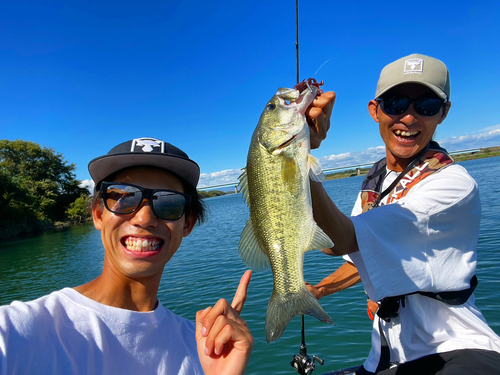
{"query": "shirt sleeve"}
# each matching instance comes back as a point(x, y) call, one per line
point(425, 241)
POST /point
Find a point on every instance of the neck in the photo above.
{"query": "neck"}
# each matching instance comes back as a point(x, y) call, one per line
point(136, 295)
point(397, 164)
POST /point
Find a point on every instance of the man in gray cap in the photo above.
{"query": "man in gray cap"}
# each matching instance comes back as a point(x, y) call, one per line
point(412, 235)
point(145, 202)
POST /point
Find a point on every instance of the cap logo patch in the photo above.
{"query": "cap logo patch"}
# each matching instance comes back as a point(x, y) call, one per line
point(414, 66)
point(147, 145)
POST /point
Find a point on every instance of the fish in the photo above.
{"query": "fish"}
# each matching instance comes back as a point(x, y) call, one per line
point(275, 186)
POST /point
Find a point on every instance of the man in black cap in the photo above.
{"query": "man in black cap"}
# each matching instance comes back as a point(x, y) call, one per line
point(145, 202)
point(413, 233)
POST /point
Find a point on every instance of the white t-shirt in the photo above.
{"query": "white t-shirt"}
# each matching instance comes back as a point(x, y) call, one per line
point(425, 241)
point(68, 333)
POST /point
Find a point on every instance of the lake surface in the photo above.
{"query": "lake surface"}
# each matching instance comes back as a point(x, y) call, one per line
point(207, 267)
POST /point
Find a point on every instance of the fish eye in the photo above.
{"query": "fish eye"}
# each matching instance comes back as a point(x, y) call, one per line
point(271, 107)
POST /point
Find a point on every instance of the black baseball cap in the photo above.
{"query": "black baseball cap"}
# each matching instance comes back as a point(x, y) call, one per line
point(147, 152)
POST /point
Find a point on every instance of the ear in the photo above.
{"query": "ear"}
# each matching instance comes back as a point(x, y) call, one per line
point(446, 109)
point(97, 216)
point(189, 224)
point(372, 109)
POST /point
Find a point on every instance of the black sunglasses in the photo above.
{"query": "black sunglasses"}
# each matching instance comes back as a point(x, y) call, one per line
point(124, 199)
point(397, 105)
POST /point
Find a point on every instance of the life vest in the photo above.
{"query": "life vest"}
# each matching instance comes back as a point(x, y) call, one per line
point(431, 160)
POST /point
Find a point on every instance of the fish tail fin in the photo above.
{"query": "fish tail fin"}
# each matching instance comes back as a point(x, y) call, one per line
point(282, 308)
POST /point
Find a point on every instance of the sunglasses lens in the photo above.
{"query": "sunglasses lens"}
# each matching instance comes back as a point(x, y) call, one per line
point(168, 205)
point(122, 199)
point(396, 105)
point(428, 106)
point(423, 106)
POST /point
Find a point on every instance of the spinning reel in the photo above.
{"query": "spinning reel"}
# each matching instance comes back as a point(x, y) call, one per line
point(302, 363)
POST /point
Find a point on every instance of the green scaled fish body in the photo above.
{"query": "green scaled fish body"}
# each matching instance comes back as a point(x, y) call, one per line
point(281, 227)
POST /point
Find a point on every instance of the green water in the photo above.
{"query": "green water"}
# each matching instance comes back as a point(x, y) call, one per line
point(207, 267)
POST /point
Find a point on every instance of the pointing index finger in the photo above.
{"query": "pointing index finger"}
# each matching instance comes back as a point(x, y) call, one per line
point(241, 293)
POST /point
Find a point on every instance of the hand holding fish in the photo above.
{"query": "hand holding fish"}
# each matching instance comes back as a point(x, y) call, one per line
point(224, 340)
point(319, 114)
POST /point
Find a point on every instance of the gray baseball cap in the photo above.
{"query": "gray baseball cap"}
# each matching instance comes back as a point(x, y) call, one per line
point(416, 68)
point(150, 152)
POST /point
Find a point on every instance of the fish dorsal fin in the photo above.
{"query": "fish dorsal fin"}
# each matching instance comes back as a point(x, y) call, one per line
point(315, 169)
point(289, 171)
point(250, 250)
point(244, 186)
point(320, 240)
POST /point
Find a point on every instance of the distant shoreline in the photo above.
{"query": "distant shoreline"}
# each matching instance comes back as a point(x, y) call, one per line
point(487, 152)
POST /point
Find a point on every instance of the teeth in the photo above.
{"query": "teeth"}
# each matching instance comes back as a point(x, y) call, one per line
point(406, 134)
point(137, 244)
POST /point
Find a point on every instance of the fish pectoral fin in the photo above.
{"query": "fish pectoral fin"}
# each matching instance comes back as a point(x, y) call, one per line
point(244, 186)
point(315, 169)
point(250, 251)
point(320, 240)
point(289, 172)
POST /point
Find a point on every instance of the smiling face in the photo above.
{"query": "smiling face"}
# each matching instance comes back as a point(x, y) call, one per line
point(406, 135)
point(139, 245)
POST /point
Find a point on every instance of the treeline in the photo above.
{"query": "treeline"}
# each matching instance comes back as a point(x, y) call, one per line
point(37, 188)
point(212, 193)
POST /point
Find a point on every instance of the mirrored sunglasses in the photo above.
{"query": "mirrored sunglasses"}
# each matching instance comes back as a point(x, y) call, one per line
point(124, 199)
point(397, 105)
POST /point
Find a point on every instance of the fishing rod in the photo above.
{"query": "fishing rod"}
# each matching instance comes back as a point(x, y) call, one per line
point(302, 363)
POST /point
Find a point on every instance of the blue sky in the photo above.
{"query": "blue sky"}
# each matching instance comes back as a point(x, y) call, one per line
point(82, 76)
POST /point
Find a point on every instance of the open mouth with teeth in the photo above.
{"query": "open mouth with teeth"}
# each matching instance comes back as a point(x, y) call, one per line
point(406, 136)
point(142, 244)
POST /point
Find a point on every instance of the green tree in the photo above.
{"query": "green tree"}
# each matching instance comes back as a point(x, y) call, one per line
point(78, 211)
point(40, 180)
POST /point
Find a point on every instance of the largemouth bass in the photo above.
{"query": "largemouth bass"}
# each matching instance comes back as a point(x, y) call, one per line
point(281, 228)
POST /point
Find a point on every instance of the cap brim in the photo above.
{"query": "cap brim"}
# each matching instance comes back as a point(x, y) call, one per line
point(434, 88)
point(103, 166)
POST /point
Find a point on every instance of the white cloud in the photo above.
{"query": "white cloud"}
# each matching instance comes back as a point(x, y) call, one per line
point(369, 155)
point(89, 184)
point(227, 176)
point(488, 137)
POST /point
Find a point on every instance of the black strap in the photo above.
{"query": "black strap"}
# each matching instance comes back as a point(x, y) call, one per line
point(454, 298)
point(385, 354)
point(389, 306)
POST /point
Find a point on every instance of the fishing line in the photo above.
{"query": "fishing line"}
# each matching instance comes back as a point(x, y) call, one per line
point(322, 66)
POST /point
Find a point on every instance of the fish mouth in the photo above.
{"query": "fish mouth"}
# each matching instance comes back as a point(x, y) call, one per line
point(142, 244)
point(289, 98)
